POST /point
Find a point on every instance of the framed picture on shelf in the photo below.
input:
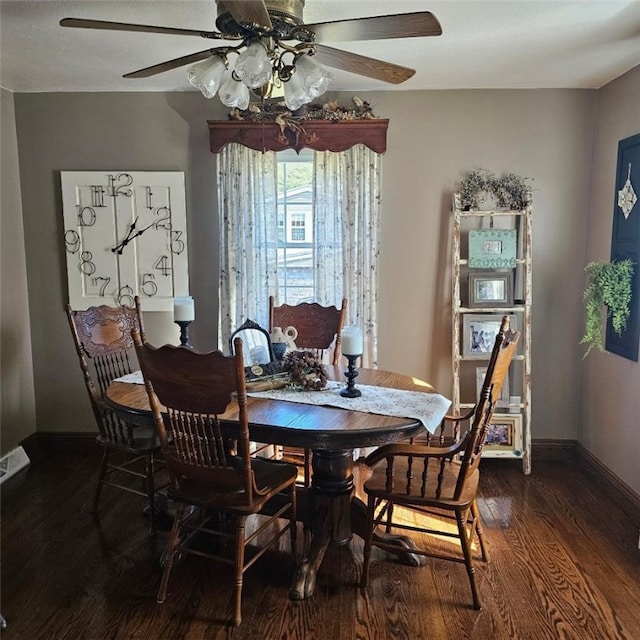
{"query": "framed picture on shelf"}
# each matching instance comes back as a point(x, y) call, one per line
point(504, 434)
point(504, 392)
point(492, 248)
point(490, 289)
point(479, 332)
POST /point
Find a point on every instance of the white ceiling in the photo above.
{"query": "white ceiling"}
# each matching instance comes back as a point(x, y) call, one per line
point(485, 44)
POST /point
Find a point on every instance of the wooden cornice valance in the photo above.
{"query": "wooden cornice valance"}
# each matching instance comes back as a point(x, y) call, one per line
point(320, 135)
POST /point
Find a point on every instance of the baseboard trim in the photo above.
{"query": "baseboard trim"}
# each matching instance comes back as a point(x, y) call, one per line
point(548, 449)
point(41, 444)
point(625, 497)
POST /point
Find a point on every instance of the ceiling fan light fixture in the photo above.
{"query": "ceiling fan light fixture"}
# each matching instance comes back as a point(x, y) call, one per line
point(234, 94)
point(316, 78)
point(253, 66)
point(295, 94)
point(307, 81)
point(207, 75)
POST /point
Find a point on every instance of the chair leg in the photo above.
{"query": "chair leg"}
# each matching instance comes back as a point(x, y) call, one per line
point(293, 524)
point(237, 588)
point(465, 541)
point(151, 494)
point(101, 474)
point(475, 512)
point(170, 552)
point(371, 509)
point(389, 516)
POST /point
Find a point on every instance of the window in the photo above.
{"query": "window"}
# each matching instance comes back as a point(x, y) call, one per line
point(295, 228)
point(302, 228)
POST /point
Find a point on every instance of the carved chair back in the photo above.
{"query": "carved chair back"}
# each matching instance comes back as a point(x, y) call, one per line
point(192, 390)
point(319, 328)
point(102, 337)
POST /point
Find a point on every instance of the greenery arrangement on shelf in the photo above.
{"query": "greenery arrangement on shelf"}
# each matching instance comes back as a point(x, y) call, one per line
point(608, 285)
point(277, 112)
point(509, 191)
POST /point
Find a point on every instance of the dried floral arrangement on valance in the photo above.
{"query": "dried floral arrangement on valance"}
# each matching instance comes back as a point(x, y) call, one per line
point(325, 127)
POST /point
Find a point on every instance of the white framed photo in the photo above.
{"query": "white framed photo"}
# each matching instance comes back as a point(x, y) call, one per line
point(490, 289)
point(504, 435)
point(479, 333)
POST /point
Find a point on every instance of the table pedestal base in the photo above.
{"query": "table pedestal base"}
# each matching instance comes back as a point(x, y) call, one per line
point(334, 515)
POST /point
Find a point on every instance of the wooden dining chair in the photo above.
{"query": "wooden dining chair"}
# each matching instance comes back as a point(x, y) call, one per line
point(438, 482)
point(188, 391)
point(102, 337)
point(320, 330)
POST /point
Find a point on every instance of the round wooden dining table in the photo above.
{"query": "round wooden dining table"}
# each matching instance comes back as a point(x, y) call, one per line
point(333, 512)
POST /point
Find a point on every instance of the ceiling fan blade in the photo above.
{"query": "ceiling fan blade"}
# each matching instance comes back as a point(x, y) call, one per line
point(402, 25)
point(248, 13)
point(168, 65)
point(362, 65)
point(126, 26)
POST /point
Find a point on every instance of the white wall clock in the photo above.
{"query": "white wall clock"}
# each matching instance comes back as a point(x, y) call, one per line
point(125, 234)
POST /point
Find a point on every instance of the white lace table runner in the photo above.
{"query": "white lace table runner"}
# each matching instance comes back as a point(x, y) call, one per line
point(429, 408)
point(132, 378)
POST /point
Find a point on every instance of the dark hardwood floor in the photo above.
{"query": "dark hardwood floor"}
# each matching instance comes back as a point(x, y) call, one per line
point(564, 564)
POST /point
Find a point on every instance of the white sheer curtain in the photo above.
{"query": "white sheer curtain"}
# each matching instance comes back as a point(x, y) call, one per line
point(347, 217)
point(247, 199)
point(346, 194)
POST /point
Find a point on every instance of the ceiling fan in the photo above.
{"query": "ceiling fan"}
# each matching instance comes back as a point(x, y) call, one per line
point(278, 27)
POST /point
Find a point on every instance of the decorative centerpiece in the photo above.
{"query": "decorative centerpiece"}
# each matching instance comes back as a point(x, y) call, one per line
point(305, 370)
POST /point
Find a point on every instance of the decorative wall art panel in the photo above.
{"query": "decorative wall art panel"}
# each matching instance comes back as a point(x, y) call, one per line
point(492, 248)
point(125, 234)
point(625, 242)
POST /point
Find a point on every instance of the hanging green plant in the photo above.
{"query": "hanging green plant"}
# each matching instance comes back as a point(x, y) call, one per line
point(608, 284)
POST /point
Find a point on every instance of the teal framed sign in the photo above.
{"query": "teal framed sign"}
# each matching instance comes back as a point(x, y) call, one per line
point(492, 248)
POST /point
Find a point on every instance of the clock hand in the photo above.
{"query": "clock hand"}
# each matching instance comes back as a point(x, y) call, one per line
point(120, 246)
point(130, 236)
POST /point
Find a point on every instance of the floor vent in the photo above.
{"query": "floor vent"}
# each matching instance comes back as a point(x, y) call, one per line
point(12, 462)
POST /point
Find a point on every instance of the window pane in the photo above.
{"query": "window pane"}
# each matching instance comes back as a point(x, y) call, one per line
point(295, 230)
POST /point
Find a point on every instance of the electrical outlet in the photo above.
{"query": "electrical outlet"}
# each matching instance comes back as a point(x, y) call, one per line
point(12, 462)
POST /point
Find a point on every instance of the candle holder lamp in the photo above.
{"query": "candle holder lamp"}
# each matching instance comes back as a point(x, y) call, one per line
point(183, 316)
point(350, 390)
point(184, 332)
point(352, 349)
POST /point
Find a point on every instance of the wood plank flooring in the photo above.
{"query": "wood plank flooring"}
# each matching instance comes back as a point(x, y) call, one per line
point(564, 563)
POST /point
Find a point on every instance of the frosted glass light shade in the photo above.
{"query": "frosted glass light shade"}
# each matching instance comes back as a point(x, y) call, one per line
point(295, 94)
point(234, 94)
point(316, 78)
point(253, 66)
point(207, 75)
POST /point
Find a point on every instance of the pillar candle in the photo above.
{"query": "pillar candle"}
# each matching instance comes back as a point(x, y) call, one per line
point(183, 309)
point(352, 341)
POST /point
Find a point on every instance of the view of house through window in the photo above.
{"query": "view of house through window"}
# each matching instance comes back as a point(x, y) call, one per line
point(295, 228)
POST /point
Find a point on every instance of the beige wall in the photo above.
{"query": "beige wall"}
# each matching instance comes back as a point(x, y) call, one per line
point(610, 398)
point(434, 136)
point(120, 131)
point(17, 399)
